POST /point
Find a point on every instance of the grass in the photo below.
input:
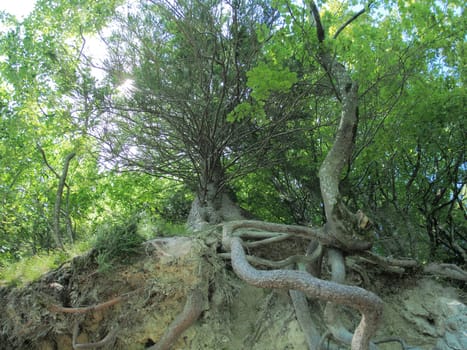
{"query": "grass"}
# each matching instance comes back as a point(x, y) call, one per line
point(115, 242)
point(31, 268)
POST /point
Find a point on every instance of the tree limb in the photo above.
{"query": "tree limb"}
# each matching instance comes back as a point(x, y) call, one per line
point(350, 20)
point(317, 18)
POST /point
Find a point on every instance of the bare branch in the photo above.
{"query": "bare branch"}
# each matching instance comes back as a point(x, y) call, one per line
point(44, 157)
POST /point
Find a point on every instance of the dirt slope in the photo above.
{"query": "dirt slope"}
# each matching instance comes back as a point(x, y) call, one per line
point(131, 306)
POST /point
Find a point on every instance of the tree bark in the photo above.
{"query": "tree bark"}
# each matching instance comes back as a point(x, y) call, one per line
point(212, 204)
point(369, 305)
point(340, 222)
point(58, 199)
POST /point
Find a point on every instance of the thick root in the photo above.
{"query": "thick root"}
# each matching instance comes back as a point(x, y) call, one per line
point(369, 305)
point(304, 319)
point(192, 310)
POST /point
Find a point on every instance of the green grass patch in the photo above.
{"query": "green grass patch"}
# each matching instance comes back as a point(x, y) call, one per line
point(31, 268)
point(114, 242)
point(117, 242)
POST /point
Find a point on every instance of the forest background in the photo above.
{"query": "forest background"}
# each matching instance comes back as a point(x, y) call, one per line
point(231, 95)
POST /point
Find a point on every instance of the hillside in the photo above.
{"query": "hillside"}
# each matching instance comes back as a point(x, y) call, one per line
point(131, 305)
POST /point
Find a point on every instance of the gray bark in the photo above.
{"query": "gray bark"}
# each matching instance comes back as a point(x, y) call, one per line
point(58, 199)
point(369, 305)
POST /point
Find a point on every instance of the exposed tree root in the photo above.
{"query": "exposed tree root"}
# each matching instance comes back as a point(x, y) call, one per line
point(307, 325)
point(350, 245)
point(323, 339)
point(442, 270)
point(105, 341)
point(446, 270)
point(402, 343)
point(263, 322)
point(82, 310)
point(369, 305)
point(294, 259)
point(192, 310)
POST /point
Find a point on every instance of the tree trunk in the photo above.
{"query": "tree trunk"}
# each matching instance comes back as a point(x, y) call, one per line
point(58, 199)
point(212, 204)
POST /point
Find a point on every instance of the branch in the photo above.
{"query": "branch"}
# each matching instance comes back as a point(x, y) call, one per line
point(44, 157)
point(350, 20)
point(317, 18)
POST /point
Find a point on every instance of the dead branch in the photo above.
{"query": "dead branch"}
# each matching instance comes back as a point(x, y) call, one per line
point(350, 20)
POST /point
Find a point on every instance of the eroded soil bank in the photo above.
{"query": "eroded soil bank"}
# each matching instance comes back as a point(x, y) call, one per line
point(131, 306)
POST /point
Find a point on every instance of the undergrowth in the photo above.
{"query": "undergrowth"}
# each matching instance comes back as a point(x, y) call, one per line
point(120, 241)
point(115, 242)
point(31, 268)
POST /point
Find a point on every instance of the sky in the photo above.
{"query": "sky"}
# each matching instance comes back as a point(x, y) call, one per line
point(19, 8)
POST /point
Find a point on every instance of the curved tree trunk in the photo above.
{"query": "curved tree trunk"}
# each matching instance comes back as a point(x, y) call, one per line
point(340, 222)
point(58, 197)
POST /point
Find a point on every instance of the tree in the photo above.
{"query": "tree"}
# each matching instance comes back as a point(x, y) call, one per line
point(209, 91)
point(187, 63)
point(40, 72)
point(343, 226)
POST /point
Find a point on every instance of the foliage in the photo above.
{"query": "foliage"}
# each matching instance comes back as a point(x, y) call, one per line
point(39, 72)
point(188, 71)
point(231, 92)
point(117, 242)
point(408, 167)
point(30, 268)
